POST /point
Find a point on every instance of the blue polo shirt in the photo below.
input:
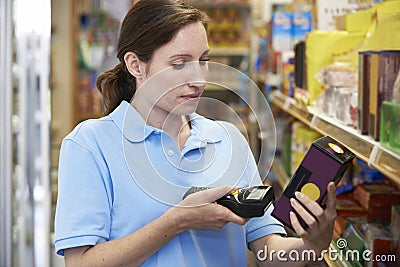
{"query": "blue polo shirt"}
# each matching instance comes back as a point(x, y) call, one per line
point(117, 174)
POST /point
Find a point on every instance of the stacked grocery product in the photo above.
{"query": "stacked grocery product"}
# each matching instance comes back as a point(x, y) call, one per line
point(226, 25)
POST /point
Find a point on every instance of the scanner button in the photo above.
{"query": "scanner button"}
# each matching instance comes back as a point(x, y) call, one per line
point(235, 192)
point(170, 152)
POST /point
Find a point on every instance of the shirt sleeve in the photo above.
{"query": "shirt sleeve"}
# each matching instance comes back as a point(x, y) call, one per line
point(84, 199)
point(262, 226)
point(259, 226)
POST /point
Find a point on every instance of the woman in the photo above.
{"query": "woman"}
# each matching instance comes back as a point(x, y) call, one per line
point(107, 214)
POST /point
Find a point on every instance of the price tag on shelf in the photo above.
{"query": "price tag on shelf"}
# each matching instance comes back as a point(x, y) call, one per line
point(313, 121)
point(373, 156)
point(286, 104)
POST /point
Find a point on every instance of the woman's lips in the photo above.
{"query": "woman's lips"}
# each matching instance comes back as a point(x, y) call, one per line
point(191, 96)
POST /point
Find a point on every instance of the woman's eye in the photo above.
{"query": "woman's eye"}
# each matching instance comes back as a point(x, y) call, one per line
point(203, 61)
point(178, 66)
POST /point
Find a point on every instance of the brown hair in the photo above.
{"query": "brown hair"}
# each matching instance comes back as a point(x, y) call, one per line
point(148, 25)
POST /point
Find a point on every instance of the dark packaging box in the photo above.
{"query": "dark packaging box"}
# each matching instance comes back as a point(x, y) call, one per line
point(384, 67)
point(364, 58)
point(300, 64)
point(326, 160)
point(349, 207)
point(377, 200)
point(378, 241)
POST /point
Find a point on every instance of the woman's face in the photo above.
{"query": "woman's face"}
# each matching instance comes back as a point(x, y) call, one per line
point(174, 79)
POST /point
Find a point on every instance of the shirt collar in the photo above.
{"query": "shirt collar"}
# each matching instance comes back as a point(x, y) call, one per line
point(207, 131)
point(131, 123)
point(134, 128)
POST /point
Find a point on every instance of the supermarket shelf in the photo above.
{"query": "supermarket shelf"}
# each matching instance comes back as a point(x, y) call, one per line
point(280, 173)
point(364, 147)
point(229, 51)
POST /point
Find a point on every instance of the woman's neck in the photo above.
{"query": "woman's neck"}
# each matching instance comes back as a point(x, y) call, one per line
point(177, 126)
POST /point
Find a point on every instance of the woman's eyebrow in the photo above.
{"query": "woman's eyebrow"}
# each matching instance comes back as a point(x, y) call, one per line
point(188, 55)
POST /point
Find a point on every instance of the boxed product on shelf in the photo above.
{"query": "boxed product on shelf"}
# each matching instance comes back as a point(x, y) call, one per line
point(377, 200)
point(227, 26)
point(287, 61)
point(363, 174)
point(300, 64)
point(302, 25)
point(390, 126)
point(349, 207)
point(363, 90)
point(282, 31)
point(355, 241)
point(342, 223)
point(378, 241)
point(384, 67)
point(395, 226)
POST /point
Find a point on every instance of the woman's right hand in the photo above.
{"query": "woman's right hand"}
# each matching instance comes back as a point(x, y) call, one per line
point(200, 211)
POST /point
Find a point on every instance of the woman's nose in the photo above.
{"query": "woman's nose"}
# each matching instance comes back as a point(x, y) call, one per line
point(197, 74)
point(199, 84)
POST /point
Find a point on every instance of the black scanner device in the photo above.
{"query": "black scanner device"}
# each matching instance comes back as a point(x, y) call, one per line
point(246, 202)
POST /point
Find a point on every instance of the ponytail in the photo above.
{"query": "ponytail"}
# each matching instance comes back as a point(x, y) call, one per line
point(116, 85)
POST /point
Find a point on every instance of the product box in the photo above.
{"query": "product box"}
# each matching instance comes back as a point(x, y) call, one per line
point(282, 31)
point(342, 223)
point(378, 241)
point(364, 58)
point(363, 174)
point(349, 207)
point(384, 68)
point(300, 64)
point(355, 238)
point(326, 160)
point(390, 126)
point(377, 200)
point(302, 24)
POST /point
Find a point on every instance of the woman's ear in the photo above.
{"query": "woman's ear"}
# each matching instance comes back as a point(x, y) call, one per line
point(134, 65)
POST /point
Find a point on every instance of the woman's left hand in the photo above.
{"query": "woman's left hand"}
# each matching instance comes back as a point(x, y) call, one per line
point(318, 235)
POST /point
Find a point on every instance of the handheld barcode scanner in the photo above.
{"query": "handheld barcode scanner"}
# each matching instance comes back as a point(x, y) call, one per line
point(246, 202)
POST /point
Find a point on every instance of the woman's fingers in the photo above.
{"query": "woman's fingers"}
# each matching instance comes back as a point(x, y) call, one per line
point(331, 202)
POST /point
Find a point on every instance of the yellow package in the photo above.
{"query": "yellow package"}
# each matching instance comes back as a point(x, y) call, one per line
point(322, 47)
point(385, 35)
point(360, 21)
